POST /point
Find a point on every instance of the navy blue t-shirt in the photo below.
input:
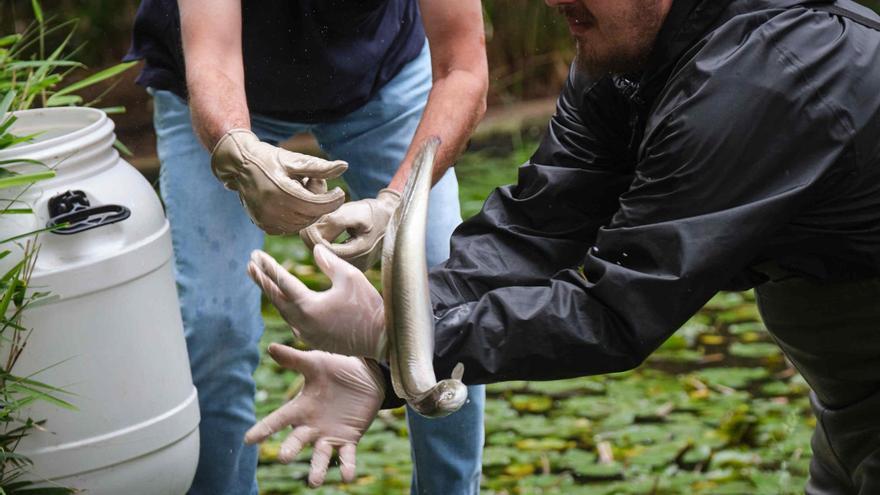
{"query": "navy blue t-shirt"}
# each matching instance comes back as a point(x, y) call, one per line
point(304, 60)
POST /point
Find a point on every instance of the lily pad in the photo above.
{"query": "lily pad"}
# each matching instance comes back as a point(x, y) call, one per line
point(544, 444)
point(545, 484)
point(502, 438)
point(747, 327)
point(501, 387)
point(712, 339)
point(776, 388)
point(636, 434)
point(754, 350)
point(503, 456)
point(534, 426)
point(743, 313)
point(588, 407)
point(698, 454)
point(566, 388)
point(658, 455)
point(732, 377)
point(575, 459)
point(531, 403)
point(519, 470)
point(678, 356)
point(724, 300)
point(600, 472)
point(734, 458)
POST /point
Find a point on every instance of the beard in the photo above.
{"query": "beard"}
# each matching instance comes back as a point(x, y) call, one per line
point(615, 42)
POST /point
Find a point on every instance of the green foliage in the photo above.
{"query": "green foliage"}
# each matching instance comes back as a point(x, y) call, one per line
point(29, 76)
point(529, 49)
point(18, 392)
point(36, 78)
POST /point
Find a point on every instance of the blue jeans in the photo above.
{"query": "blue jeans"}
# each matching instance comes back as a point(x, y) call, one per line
point(213, 237)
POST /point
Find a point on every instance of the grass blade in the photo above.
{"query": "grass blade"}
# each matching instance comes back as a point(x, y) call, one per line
point(113, 110)
point(34, 232)
point(36, 64)
point(38, 11)
point(6, 102)
point(57, 100)
point(97, 77)
point(15, 161)
point(21, 180)
point(119, 145)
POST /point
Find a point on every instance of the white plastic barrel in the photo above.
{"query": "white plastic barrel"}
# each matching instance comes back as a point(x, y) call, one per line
point(112, 336)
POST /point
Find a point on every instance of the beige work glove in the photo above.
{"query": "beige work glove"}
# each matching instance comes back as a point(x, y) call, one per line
point(348, 318)
point(364, 220)
point(282, 191)
point(339, 399)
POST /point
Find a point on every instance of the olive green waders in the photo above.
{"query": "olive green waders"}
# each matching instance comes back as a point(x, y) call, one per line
point(831, 333)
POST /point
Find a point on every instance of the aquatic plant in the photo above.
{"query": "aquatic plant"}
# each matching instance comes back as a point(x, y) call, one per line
point(31, 75)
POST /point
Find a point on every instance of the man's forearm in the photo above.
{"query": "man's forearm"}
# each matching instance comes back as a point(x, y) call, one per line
point(211, 36)
point(457, 100)
point(217, 104)
point(455, 106)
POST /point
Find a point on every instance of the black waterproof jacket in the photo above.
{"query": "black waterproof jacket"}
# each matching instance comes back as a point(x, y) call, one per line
point(752, 135)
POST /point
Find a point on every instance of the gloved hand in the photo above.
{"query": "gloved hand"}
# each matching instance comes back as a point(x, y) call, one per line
point(282, 191)
point(348, 318)
point(336, 405)
point(365, 222)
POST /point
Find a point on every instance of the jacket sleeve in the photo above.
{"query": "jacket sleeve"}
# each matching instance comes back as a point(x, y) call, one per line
point(737, 144)
point(569, 188)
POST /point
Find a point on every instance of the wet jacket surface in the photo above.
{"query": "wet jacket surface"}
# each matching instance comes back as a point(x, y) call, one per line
point(753, 135)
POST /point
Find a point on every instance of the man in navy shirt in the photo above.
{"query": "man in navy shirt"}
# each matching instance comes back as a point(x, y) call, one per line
point(230, 80)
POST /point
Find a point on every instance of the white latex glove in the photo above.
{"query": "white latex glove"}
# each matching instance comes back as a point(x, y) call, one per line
point(282, 191)
point(348, 318)
point(339, 400)
point(364, 220)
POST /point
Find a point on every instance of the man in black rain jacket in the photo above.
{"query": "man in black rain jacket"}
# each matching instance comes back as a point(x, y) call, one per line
point(744, 151)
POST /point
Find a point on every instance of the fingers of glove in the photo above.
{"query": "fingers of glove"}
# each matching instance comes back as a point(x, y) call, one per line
point(286, 415)
point(356, 245)
point(324, 231)
point(320, 460)
point(290, 287)
point(299, 165)
point(307, 202)
point(294, 443)
point(294, 359)
point(333, 266)
point(347, 462)
point(266, 284)
point(360, 250)
point(354, 218)
point(316, 186)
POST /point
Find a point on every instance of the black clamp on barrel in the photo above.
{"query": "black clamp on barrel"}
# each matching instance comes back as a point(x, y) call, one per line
point(71, 213)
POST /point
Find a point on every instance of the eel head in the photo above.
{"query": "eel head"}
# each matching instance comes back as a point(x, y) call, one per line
point(444, 398)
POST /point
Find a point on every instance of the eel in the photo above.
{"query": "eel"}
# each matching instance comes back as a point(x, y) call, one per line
point(409, 318)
